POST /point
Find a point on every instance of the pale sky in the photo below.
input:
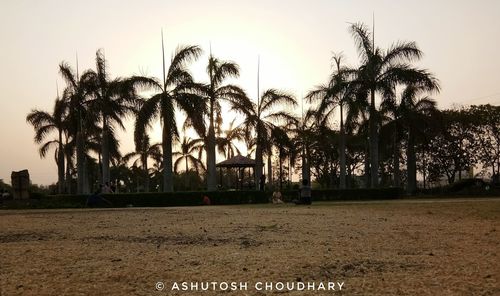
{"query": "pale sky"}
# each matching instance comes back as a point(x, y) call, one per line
point(295, 40)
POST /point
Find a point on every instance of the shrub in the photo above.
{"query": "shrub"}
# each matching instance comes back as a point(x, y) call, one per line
point(193, 198)
point(347, 194)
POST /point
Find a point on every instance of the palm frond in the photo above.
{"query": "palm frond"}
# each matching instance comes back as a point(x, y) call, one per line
point(363, 40)
point(273, 97)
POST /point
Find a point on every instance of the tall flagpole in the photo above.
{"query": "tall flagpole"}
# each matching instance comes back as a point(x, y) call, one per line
point(258, 83)
point(77, 74)
point(373, 32)
point(163, 59)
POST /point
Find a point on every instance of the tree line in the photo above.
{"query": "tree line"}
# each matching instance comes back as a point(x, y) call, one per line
point(372, 145)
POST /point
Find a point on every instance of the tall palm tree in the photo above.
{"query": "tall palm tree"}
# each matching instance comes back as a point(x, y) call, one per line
point(262, 117)
point(218, 71)
point(76, 96)
point(380, 72)
point(176, 89)
point(44, 123)
point(280, 140)
point(415, 113)
point(143, 151)
point(93, 146)
point(339, 92)
point(113, 100)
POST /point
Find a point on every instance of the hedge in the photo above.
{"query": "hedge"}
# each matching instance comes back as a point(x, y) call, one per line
point(187, 198)
point(195, 198)
point(466, 187)
point(347, 194)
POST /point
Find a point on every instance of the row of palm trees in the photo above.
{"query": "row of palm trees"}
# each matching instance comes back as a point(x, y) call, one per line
point(93, 106)
point(381, 72)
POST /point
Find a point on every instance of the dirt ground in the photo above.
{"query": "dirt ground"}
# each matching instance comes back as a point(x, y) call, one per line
point(438, 247)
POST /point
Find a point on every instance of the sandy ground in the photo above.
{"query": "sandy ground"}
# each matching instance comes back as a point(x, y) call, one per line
point(375, 248)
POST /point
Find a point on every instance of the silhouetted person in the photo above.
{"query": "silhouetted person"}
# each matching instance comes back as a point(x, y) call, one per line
point(262, 182)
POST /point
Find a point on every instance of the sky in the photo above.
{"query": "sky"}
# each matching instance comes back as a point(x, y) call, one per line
point(294, 40)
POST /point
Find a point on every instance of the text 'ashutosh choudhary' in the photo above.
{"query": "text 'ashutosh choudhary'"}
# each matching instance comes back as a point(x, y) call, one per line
point(259, 286)
point(299, 286)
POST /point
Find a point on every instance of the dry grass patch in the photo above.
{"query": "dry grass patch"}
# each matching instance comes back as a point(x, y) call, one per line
point(375, 248)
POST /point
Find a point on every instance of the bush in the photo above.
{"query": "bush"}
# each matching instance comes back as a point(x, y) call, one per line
point(471, 187)
point(347, 194)
point(193, 198)
point(466, 184)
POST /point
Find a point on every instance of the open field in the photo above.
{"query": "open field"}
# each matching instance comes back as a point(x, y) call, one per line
point(437, 247)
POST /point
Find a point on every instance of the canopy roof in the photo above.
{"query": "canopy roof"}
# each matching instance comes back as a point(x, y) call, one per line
point(238, 161)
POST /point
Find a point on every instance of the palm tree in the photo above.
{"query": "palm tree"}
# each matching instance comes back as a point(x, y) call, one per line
point(340, 91)
point(44, 123)
point(113, 100)
point(215, 91)
point(76, 96)
point(261, 117)
point(143, 151)
point(304, 139)
point(414, 115)
point(226, 141)
point(380, 72)
point(188, 147)
point(93, 146)
point(281, 140)
point(176, 89)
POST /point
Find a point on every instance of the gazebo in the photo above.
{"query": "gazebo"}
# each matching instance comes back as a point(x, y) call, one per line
point(240, 163)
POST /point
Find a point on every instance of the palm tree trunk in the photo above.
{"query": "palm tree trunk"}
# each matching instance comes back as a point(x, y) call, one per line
point(187, 172)
point(332, 174)
point(146, 173)
point(373, 142)
point(68, 166)
point(269, 169)
point(168, 185)
point(367, 166)
point(60, 165)
point(99, 171)
point(412, 164)
point(281, 168)
point(211, 169)
point(349, 175)
point(397, 172)
point(290, 169)
point(424, 168)
point(80, 163)
point(258, 163)
point(342, 150)
point(68, 175)
point(306, 171)
point(105, 151)
point(86, 187)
